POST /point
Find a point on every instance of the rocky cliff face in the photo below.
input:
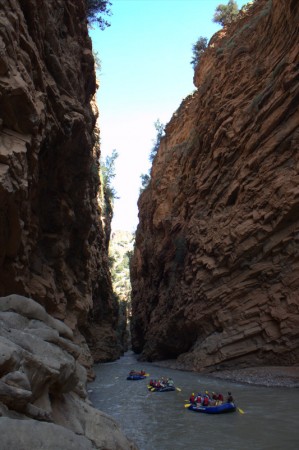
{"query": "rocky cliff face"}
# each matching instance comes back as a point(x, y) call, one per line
point(43, 398)
point(53, 246)
point(215, 270)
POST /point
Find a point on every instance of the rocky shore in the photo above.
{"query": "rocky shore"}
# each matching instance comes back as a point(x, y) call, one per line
point(272, 376)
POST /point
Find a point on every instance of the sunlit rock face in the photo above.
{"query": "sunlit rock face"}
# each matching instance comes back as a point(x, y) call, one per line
point(53, 246)
point(215, 273)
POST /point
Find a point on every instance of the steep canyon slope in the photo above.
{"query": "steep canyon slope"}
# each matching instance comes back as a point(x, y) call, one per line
point(215, 271)
point(53, 239)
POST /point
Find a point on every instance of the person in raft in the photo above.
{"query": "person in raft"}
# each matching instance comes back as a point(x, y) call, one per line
point(133, 372)
point(230, 398)
point(205, 400)
point(198, 399)
point(170, 382)
point(220, 398)
point(192, 398)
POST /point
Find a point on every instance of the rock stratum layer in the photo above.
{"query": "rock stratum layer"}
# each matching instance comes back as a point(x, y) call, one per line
point(43, 398)
point(53, 244)
point(215, 272)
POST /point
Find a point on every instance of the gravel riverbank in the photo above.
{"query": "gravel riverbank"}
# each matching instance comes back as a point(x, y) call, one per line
point(274, 376)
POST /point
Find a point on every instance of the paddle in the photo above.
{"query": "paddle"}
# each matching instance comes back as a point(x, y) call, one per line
point(240, 411)
point(187, 405)
point(178, 389)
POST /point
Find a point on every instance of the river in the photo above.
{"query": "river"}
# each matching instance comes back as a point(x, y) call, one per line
point(159, 421)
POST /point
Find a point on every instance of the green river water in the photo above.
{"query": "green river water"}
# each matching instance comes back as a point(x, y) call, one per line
point(159, 421)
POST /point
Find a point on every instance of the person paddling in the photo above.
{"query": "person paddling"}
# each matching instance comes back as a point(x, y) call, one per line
point(230, 398)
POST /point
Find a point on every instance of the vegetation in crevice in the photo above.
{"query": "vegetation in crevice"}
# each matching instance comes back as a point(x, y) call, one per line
point(107, 175)
point(198, 49)
point(160, 129)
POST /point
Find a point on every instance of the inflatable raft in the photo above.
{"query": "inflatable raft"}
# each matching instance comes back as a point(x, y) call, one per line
point(136, 377)
point(162, 389)
point(219, 409)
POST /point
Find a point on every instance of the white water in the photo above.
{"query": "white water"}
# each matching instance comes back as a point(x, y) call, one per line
point(159, 421)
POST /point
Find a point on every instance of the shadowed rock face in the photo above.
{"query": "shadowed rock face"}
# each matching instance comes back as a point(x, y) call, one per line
point(215, 270)
point(53, 245)
point(43, 398)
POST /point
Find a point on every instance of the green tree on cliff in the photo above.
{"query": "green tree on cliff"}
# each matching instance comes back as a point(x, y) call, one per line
point(226, 14)
point(145, 178)
point(160, 133)
point(108, 173)
point(198, 49)
point(96, 9)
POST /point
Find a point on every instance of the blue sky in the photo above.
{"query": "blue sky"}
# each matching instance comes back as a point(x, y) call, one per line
point(145, 74)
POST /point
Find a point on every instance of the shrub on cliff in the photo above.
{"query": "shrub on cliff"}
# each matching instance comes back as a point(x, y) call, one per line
point(160, 133)
point(197, 49)
point(107, 175)
point(145, 178)
point(226, 14)
point(95, 10)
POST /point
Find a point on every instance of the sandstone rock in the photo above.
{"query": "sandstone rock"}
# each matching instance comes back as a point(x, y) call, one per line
point(34, 434)
point(215, 269)
point(54, 232)
point(41, 378)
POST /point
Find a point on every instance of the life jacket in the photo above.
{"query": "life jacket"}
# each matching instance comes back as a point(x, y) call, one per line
point(205, 401)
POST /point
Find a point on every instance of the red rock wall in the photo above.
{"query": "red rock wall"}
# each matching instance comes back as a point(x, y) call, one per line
point(53, 246)
point(215, 273)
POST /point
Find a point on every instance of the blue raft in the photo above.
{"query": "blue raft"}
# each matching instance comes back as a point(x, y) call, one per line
point(136, 377)
point(161, 389)
point(219, 409)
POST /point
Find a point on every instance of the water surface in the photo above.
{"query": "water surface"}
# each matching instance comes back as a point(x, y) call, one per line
point(159, 421)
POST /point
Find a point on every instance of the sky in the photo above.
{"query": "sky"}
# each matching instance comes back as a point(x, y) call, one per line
point(145, 74)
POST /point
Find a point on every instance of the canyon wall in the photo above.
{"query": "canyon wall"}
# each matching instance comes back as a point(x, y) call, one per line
point(53, 236)
point(215, 271)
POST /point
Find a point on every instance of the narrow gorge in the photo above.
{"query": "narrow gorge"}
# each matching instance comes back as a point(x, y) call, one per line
point(215, 269)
